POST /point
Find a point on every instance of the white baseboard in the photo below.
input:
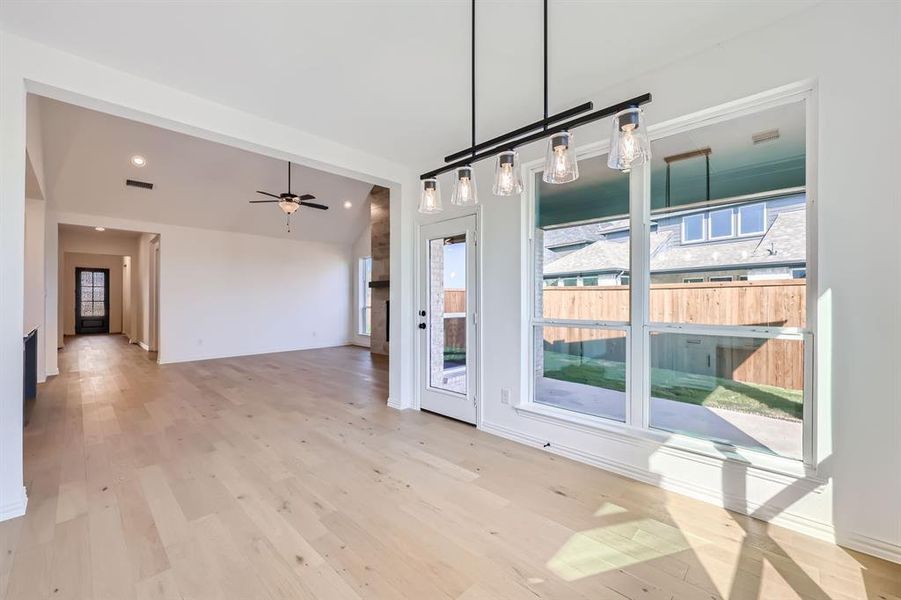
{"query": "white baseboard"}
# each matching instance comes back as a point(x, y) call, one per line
point(16, 508)
point(392, 403)
point(801, 524)
point(53, 373)
point(144, 346)
point(868, 545)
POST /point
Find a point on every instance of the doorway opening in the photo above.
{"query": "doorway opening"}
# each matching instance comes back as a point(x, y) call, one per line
point(91, 300)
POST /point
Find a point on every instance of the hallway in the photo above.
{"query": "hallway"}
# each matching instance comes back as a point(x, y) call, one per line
point(285, 476)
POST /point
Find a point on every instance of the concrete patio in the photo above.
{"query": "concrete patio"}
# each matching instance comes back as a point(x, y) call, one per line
point(773, 436)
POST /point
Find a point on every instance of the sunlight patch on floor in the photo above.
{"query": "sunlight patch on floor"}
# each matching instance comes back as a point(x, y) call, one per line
point(618, 545)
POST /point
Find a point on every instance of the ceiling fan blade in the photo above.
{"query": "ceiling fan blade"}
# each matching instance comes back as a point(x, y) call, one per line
point(314, 205)
point(262, 201)
point(268, 194)
point(308, 197)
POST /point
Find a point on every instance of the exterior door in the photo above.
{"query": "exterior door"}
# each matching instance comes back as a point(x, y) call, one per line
point(447, 318)
point(91, 300)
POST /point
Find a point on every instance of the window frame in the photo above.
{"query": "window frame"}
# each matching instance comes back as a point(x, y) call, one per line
point(731, 234)
point(364, 277)
point(636, 425)
point(741, 233)
point(703, 238)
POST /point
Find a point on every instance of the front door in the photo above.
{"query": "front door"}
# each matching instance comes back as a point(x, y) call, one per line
point(447, 318)
point(91, 300)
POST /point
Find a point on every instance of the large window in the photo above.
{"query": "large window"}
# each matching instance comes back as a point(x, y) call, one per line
point(711, 339)
point(364, 310)
point(581, 331)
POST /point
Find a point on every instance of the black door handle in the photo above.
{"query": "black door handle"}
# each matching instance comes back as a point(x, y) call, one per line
point(422, 325)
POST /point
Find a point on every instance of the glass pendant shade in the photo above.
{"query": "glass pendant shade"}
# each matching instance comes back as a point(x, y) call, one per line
point(561, 166)
point(464, 188)
point(288, 206)
point(629, 145)
point(430, 201)
point(507, 176)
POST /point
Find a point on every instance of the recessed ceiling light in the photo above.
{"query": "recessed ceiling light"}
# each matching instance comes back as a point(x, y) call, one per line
point(100, 228)
point(348, 204)
point(138, 160)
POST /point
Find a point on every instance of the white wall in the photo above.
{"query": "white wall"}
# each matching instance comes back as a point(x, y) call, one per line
point(230, 294)
point(361, 249)
point(851, 49)
point(34, 278)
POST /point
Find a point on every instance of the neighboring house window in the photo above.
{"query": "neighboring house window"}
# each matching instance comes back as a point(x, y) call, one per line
point(742, 277)
point(570, 281)
point(721, 278)
point(590, 280)
point(365, 296)
point(721, 224)
point(799, 273)
point(692, 280)
point(752, 219)
point(624, 280)
point(693, 228)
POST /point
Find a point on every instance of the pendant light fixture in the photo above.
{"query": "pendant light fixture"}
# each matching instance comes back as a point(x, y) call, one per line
point(430, 201)
point(629, 144)
point(560, 165)
point(507, 174)
point(464, 188)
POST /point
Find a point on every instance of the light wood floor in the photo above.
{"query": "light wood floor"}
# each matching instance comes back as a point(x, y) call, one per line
point(285, 476)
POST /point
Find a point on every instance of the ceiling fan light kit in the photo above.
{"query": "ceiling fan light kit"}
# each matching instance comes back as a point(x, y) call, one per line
point(629, 144)
point(290, 202)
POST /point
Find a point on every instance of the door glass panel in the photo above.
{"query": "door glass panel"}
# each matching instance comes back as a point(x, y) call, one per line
point(86, 278)
point(98, 294)
point(98, 278)
point(86, 294)
point(447, 321)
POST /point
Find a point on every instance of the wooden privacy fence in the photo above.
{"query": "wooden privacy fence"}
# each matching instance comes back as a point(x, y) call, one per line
point(780, 303)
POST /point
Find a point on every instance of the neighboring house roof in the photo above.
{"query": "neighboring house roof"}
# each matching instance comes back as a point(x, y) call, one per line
point(784, 242)
point(613, 255)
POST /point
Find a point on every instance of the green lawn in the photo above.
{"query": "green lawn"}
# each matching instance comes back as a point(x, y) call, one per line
point(714, 392)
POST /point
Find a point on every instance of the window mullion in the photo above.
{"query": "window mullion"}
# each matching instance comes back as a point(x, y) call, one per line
point(639, 220)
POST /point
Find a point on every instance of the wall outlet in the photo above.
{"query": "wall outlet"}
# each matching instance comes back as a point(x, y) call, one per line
point(505, 396)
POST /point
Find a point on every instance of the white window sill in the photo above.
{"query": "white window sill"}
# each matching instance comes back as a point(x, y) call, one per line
point(677, 444)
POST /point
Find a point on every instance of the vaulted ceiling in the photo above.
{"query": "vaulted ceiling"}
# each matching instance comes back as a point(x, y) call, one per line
point(391, 78)
point(197, 183)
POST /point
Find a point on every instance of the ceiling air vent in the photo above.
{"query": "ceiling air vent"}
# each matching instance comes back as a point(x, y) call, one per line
point(765, 136)
point(139, 184)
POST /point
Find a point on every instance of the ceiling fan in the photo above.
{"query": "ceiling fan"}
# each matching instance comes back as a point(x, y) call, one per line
point(290, 202)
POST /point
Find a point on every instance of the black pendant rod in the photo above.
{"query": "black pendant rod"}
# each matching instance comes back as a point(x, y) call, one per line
point(542, 124)
point(289, 176)
point(545, 65)
point(512, 142)
point(472, 50)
